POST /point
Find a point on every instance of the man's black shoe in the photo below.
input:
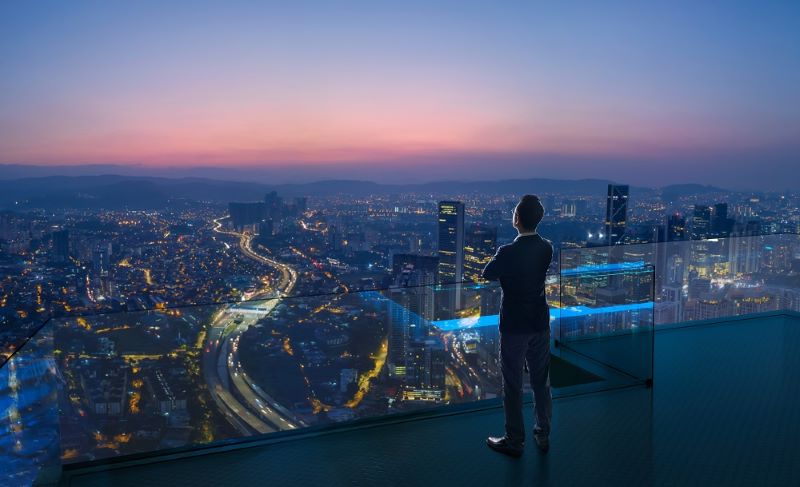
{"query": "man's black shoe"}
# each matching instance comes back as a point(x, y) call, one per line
point(502, 445)
point(542, 441)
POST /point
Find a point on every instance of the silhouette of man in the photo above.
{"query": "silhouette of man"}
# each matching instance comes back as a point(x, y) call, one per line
point(521, 267)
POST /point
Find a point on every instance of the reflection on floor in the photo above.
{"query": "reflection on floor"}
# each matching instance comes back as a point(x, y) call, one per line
point(566, 374)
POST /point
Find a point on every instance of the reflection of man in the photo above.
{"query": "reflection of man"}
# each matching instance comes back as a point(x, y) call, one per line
point(521, 267)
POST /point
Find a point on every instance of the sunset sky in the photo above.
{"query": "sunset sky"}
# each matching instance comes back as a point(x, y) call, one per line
point(688, 91)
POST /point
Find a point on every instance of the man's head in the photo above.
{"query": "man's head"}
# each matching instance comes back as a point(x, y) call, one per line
point(528, 213)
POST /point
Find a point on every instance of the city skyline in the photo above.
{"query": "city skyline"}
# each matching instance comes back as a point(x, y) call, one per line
point(475, 91)
point(296, 227)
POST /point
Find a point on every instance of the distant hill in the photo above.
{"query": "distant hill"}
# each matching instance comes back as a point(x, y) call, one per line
point(115, 191)
point(675, 191)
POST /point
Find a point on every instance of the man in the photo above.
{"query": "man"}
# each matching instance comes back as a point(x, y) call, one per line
point(521, 267)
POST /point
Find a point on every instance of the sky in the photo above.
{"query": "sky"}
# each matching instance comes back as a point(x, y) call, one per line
point(693, 91)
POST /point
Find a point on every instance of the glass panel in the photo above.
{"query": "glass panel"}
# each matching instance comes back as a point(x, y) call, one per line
point(711, 279)
point(606, 316)
point(150, 380)
point(29, 412)
point(144, 381)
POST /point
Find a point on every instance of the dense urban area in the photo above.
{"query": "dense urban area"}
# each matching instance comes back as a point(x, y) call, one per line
point(206, 320)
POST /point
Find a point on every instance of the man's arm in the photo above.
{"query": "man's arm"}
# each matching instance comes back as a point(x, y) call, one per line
point(498, 266)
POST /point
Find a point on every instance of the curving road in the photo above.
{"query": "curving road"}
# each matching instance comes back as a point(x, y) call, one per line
point(250, 410)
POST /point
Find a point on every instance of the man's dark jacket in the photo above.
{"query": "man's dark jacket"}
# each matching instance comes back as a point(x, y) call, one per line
point(521, 267)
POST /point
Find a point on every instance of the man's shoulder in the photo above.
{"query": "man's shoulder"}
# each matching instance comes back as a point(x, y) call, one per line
point(535, 240)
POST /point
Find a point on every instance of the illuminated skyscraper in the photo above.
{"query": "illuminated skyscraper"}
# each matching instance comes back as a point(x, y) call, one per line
point(451, 241)
point(480, 246)
point(701, 222)
point(425, 371)
point(676, 228)
point(616, 212)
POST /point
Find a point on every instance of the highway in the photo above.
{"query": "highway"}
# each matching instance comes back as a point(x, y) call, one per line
point(256, 412)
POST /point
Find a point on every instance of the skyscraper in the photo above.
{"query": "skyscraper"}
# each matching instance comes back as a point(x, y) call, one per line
point(61, 245)
point(721, 225)
point(273, 204)
point(425, 371)
point(616, 212)
point(479, 247)
point(101, 260)
point(244, 214)
point(451, 241)
point(676, 228)
point(701, 222)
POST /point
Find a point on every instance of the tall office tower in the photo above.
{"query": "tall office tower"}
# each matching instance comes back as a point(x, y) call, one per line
point(480, 244)
point(451, 253)
point(451, 241)
point(244, 214)
point(61, 246)
point(721, 225)
point(273, 204)
point(101, 260)
point(416, 273)
point(334, 239)
point(271, 199)
point(418, 292)
point(410, 308)
point(399, 329)
point(743, 249)
point(701, 222)
point(676, 228)
point(425, 371)
point(616, 212)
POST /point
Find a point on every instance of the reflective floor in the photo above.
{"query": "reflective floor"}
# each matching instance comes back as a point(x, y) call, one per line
point(724, 410)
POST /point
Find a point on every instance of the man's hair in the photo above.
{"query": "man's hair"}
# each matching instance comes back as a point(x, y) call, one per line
point(530, 212)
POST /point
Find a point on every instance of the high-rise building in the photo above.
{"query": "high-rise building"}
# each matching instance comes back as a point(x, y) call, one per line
point(676, 228)
point(701, 222)
point(721, 225)
point(244, 214)
point(334, 239)
point(480, 244)
point(425, 371)
point(61, 245)
point(616, 212)
point(101, 260)
point(274, 204)
point(412, 307)
point(451, 241)
point(744, 248)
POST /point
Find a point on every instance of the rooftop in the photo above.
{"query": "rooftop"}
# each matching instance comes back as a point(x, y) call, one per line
point(723, 410)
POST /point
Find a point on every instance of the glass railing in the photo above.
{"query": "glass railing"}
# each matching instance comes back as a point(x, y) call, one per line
point(697, 280)
point(108, 385)
point(606, 316)
point(128, 383)
point(29, 413)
